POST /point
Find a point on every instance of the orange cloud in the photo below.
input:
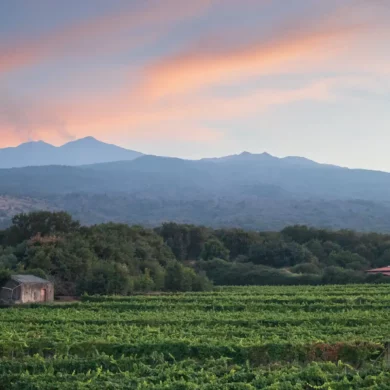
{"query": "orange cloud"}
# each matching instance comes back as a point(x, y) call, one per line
point(196, 70)
point(96, 35)
point(322, 43)
point(182, 77)
point(174, 98)
point(138, 120)
point(140, 112)
point(192, 133)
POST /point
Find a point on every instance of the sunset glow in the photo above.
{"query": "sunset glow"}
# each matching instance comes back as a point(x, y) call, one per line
point(200, 78)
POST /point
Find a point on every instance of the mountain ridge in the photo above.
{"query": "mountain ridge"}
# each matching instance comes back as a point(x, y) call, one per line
point(215, 178)
point(82, 151)
point(254, 191)
point(121, 154)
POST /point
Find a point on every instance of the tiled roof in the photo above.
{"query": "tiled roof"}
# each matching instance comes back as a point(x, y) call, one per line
point(28, 279)
point(383, 269)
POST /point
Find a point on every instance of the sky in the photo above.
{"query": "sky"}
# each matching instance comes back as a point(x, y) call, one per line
point(200, 78)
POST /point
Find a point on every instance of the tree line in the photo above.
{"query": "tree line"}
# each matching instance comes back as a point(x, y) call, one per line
point(120, 259)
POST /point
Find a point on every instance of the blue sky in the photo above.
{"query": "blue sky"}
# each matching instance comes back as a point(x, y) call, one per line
point(202, 78)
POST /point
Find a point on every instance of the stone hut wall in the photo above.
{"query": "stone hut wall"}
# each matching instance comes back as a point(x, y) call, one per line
point(27, 292)
point(37, 292)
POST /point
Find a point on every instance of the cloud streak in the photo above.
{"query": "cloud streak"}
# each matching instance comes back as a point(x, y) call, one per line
point(176, 95)
point(193, 71)
point(292, 48)
point(183, 119)
point(98, 34)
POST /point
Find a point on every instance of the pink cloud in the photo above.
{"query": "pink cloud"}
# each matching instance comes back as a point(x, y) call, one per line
point(91, 36)
point(175, 97)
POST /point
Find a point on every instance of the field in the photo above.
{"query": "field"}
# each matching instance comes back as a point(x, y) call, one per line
point(328, 337)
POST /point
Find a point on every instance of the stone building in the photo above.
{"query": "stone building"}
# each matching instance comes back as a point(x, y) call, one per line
point(27, 289)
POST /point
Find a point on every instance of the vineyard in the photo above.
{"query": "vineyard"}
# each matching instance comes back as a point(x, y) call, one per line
point(327, 337)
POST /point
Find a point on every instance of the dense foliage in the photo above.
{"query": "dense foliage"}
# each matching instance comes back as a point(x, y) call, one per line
point(119, 259)
point(308, 337)
point(297, 255)
point(102, 259)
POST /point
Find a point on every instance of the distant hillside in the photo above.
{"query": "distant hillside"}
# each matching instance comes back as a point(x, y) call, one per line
point(254, 191)
point(264, 158)
point(235, 177)
point(83, 151)
point(257, 213)
point(9, 206)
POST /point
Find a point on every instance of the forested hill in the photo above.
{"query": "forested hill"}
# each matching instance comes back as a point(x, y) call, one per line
point(258, 176)
point(251, 191)
point(121, 259)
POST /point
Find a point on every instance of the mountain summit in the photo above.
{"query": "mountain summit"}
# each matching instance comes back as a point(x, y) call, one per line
point(83, 151)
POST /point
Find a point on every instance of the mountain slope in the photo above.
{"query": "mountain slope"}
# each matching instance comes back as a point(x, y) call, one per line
point(154, 176)
point(257, 213)
point(83, 151)
point(9, 206)
point(251, 191)
point(235, 174)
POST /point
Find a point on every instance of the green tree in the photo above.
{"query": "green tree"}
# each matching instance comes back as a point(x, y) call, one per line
point(106, 278)
point(144, 282)
point(214, 248)
point(384, 259)
point(306, 268)
point(347, 259)
point(316, 248)
point(177, 238)
point(174, 276)
point(43, 223)
point(237, 241)
point(5, 274)
point(339, 275)
point(279, 253)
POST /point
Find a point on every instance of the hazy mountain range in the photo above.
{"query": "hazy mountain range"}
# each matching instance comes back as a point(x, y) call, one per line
point(99, 182)
point(83, 151)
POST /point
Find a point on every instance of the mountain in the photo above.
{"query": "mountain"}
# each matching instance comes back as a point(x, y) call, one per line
point(83, 151)
point(254, 191)
point(264, 158)
point(242, 157)
point(234, 176)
